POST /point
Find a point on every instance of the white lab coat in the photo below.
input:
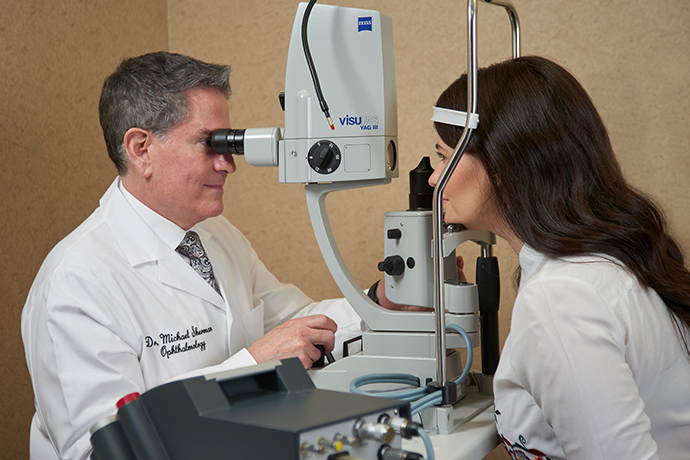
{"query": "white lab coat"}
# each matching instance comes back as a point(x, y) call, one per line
point(114, 310)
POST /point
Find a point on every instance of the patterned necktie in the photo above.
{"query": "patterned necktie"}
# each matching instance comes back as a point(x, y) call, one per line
point(192, 249)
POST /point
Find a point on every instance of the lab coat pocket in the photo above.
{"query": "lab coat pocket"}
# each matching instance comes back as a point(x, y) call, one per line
point(253, 321)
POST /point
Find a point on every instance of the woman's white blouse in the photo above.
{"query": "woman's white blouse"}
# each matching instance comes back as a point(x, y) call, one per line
point(593, 367)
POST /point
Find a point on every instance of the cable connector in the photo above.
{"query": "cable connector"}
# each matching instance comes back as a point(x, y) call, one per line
point(387, 452)
point(374, 431)
point(405, 428)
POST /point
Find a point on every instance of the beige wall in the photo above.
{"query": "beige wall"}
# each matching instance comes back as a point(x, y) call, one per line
point(53, 59)
point(633, 57)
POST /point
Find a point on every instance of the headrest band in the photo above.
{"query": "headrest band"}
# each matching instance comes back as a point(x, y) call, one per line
point(454, 117)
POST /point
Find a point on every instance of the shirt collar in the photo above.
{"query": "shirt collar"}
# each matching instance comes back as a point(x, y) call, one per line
point(530, 263)
point(169, 232)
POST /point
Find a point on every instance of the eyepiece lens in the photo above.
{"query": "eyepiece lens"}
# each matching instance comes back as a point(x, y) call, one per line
point(228, 141)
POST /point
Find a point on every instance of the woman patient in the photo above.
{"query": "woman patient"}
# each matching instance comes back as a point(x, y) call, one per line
point(597, 362)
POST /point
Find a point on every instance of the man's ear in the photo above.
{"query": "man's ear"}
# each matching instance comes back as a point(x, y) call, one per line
point(138, 143)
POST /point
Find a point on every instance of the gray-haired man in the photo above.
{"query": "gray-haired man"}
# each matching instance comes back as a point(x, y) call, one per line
point(155, 283)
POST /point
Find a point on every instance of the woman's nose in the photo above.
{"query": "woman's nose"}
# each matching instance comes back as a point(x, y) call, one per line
point(433, 179)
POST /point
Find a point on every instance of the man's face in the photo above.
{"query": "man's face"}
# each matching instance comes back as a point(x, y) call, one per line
point(186, 181)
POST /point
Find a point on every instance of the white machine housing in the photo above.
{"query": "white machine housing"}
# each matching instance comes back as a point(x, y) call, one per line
point(352, 50)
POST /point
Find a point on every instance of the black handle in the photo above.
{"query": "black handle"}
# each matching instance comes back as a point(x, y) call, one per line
point(489, 289)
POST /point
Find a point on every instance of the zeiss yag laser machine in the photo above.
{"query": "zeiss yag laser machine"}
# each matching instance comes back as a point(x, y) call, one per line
point(345, 56)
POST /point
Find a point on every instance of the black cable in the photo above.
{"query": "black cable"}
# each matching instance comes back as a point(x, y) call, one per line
point(310, 64)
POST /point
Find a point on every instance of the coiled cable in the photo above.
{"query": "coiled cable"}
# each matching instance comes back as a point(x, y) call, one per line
point(421, 400)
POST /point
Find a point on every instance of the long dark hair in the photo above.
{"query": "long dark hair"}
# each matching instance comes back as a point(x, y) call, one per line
point(556, 180)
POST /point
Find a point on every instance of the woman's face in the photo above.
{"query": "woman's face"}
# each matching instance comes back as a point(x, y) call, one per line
point(467, 197)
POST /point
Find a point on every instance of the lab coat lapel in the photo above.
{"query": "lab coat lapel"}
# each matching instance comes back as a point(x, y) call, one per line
point(175, 272)
point(223, 268)
point(141, 246)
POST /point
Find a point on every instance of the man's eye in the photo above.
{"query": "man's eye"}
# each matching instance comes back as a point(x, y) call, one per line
point(206, 142)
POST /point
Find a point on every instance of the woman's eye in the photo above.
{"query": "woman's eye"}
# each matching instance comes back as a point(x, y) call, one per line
point(440, 156)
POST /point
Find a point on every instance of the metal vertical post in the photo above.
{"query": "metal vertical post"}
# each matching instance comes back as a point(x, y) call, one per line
point(439, 294)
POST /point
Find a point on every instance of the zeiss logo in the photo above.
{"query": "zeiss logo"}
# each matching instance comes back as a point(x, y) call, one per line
point(364, 24)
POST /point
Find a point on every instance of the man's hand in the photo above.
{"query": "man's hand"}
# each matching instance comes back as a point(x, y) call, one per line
point(385, 303)
point(296, 338)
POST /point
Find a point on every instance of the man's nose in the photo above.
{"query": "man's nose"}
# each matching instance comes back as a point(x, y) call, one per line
point(225, 163)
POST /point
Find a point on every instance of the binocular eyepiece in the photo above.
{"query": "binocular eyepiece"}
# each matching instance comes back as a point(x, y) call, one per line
point(228, 141)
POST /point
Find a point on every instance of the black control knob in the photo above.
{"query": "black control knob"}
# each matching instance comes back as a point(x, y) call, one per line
point(394, 234)
point(324, 157)
point(392, 265)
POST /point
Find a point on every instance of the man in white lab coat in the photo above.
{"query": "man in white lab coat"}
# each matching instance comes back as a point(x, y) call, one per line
point(116, 307)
